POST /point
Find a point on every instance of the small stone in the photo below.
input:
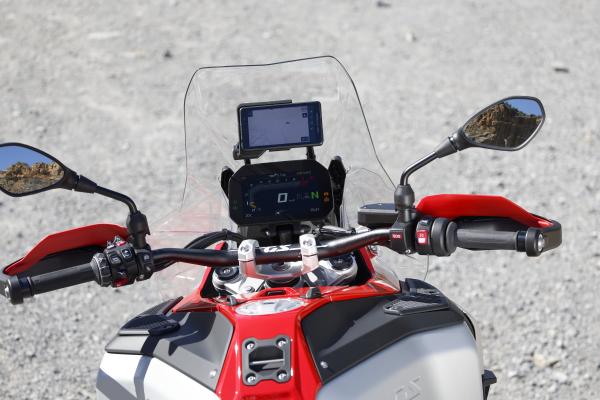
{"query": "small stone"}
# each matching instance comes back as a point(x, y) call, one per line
point(541, 361)
point(383, 4)
point(167, 54)
point(410, 37)
point(572, 332)
point(560, 68)
point(103, 35)
point(560, 377)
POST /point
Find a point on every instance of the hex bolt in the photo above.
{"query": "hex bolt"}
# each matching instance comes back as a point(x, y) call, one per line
point(6, 292)
point(213, 373)
point(281, 342)
point(248, 289)
point(324, 365)
point(251, 379)
point(249, 345)
point(282, 375)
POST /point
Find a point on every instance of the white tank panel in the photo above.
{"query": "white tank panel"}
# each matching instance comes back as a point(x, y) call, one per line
point(134, 377)
point(442, 364)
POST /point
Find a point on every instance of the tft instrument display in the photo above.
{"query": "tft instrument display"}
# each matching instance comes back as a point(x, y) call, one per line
point(289, 191)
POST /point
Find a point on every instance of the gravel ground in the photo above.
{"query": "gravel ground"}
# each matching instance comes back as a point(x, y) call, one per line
point(101, 87)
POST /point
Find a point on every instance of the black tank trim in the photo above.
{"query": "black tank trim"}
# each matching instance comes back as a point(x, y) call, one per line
point(197, 349)
point(342, 334)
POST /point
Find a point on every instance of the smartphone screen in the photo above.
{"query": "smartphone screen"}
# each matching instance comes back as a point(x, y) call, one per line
point(281, 126)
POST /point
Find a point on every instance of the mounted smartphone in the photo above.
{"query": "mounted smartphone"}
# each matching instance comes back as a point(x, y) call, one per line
point(279, 126)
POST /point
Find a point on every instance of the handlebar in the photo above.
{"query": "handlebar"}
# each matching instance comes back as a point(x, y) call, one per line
point(121, 264)
point(271, 254)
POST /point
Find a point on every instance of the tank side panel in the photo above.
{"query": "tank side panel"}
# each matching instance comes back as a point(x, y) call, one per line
point(442, 364)
point(163, 382)
point(135, 377)
point(115, 378)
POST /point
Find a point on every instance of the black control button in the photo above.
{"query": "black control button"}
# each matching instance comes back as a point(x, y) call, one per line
point(127, 254)
point(114, 259)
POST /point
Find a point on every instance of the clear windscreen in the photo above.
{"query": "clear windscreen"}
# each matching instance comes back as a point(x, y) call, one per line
point(211, 129)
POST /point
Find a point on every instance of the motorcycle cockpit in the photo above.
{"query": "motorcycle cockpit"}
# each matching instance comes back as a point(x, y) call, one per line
point(276, 202)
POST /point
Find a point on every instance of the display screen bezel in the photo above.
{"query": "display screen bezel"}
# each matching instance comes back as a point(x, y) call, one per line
point(244, 133)
point(236, 195)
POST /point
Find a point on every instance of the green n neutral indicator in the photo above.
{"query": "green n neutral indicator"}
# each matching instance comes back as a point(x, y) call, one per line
point(314, 195)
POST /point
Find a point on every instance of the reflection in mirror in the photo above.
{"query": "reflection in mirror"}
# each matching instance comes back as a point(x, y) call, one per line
point(24, 170)
point(506, 125)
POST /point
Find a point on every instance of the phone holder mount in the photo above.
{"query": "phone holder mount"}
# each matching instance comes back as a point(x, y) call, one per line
point(239, 153)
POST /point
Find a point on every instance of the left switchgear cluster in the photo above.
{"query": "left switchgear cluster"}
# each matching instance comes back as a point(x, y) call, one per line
point(120, 264)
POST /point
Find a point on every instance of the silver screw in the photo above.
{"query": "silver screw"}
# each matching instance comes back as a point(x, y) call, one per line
point(248, 289)
point(249, 345)
point(251, 379)
point(213, 373)
point(281, 376)
point(226, 270)
point(324, 365)
point(281, 342)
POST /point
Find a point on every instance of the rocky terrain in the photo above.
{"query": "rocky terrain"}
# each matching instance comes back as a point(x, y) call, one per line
point(100, 85)
point(502, 125)
point(22, 178)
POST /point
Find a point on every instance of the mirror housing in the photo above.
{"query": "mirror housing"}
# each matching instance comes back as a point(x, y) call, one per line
point(46, 173)
point(25, 170)
point(506, 125)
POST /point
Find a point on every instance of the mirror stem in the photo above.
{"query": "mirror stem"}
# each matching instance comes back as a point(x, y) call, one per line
point(445, 148)
point(416, 166)
point(137, 224)
point(404, 196)
point(119, 197)
point(86, 185)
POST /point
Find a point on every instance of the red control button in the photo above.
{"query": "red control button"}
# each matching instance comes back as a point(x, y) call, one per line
point(422, 237)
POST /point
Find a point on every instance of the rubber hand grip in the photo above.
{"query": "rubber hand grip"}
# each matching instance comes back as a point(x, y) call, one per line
point(61, 279)
point(486, 240)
